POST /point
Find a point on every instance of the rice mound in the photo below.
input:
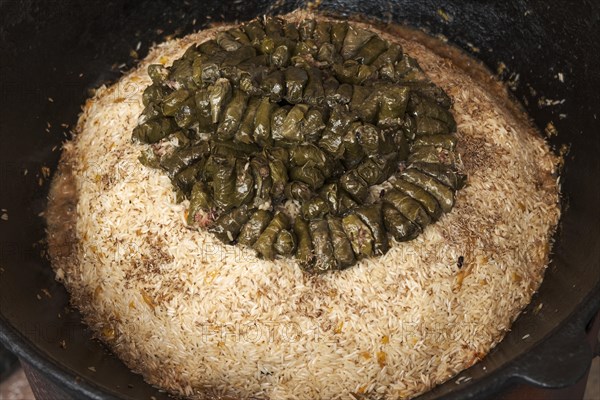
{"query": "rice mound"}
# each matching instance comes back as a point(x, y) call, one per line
point(200, 319)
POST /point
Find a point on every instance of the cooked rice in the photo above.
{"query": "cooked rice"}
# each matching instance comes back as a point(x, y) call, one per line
point(200, 318)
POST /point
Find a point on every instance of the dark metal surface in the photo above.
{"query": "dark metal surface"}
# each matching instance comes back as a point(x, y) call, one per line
point(42, 388)
point(8, 363)
point(54, 52)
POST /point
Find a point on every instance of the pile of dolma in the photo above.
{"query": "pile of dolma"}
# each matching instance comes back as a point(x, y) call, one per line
point(314, 117)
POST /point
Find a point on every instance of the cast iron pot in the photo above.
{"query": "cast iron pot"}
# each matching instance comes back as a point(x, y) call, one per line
point(53, 52)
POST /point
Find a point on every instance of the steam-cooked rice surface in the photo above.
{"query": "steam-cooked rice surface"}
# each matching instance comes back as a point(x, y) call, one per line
point(200, 318)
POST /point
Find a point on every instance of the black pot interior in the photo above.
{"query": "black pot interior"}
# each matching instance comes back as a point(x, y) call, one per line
point(53, 53)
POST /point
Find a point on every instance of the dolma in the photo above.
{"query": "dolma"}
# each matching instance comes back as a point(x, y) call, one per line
point(308, 173)
point(279, 176)
point(179, 159)
point(359, 234)
point(245, 132)
point(295, 80)
point(356, 187)
point(266, 240)
point(299, 191)
point(232, 117)
point(261, 173)
point(229, 224)
point(273, 85)
point(223, 182)
point(227, 42)
point(262, 121)
point(252, 229)
point(218, 96)
point(338, 34)
point(305, 250)
point(173, 101)
point(421, 195)
point(355, 39)
point(315, 208)
point(285, 243)
point(200, 204)
point(442, 173)
point(397, 225)
point(323, 248)
point(314, 94)
point(447, 141)
point(372, 216)
point(244, 183)
point(409, 207)
point(342, 248)
point(154, 130)
point(443, 194)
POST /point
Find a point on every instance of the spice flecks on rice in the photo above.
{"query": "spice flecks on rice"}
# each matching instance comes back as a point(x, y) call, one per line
point(200, 318)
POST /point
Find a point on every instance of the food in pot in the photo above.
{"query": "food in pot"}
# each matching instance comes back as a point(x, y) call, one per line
point(329, 117)
point(301, 141)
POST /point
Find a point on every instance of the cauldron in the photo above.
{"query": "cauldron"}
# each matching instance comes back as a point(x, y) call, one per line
point(54, 52)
